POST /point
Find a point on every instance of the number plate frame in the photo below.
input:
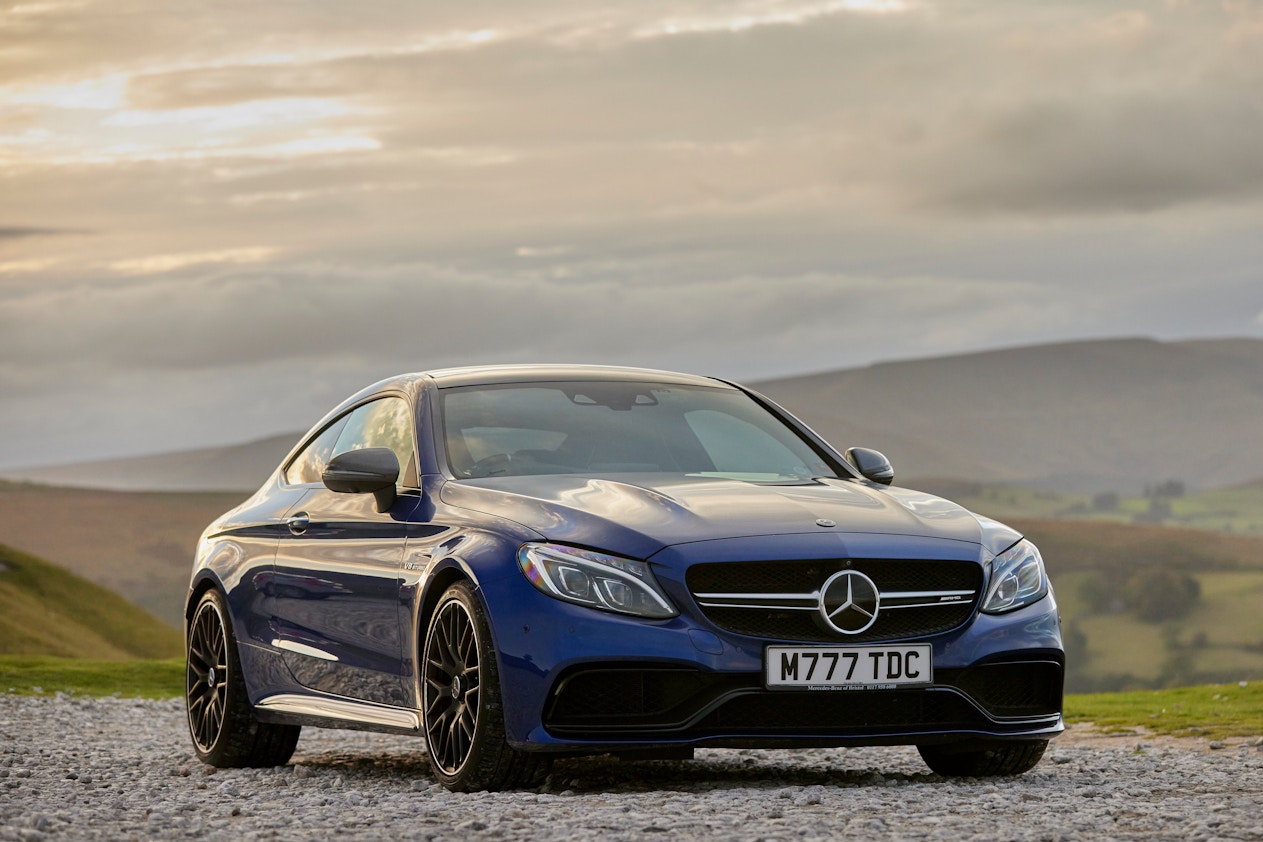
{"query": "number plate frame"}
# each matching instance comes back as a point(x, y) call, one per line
point(868, 667)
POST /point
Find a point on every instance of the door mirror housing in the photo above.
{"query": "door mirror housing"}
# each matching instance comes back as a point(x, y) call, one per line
point(872, 464)
point(370, 470)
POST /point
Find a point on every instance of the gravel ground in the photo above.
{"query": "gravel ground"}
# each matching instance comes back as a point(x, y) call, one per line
point(82, 768)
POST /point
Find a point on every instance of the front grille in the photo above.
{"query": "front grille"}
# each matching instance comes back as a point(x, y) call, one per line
point(947, 592)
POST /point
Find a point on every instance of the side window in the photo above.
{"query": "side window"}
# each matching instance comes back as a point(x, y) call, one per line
point(382, 423)
point(310, 463)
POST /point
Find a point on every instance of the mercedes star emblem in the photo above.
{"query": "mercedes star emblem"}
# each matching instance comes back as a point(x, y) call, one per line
point(849, 601)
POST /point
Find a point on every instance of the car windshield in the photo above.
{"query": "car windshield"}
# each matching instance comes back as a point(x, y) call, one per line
point(620, 427)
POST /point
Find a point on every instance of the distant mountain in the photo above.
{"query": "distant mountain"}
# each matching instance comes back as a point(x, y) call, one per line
point(241, 467)
point(1111, 415)
point(1082, 416)
point(45, 610)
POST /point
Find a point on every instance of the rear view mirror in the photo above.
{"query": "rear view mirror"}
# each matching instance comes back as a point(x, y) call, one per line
point(872, 464)
point(372, 470)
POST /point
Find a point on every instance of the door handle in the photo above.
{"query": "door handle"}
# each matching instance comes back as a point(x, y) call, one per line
point(298, 523)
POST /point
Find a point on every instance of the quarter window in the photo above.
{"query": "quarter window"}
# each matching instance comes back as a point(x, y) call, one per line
point(382, 423)
point(310, 464)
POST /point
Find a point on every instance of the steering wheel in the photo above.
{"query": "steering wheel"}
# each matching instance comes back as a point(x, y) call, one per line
point(497, 464)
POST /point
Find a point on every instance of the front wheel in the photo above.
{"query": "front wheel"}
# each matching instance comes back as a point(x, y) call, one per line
point(981, 760)
point(461, 705)
point(224, 730)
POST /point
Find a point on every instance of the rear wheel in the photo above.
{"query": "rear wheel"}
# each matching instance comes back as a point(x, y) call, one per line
point(980, 760)
point(461, 705)
point(224, 730)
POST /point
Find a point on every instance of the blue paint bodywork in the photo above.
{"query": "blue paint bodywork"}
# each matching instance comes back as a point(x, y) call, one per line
point(338, 608)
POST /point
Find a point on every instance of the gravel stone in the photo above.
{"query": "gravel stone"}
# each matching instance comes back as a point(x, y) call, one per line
point(110, 768)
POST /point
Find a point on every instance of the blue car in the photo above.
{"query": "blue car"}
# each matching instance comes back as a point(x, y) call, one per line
point(523, 562)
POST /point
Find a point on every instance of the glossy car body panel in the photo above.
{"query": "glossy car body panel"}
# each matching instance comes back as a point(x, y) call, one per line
point(330, 611)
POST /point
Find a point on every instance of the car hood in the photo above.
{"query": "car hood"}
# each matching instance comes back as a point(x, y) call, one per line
point(639, 514)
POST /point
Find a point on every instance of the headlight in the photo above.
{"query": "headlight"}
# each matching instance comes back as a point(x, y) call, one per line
point(1017, 579)
point(594, 579)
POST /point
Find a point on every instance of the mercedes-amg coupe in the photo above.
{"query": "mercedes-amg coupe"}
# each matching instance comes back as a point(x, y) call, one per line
point(522, 562)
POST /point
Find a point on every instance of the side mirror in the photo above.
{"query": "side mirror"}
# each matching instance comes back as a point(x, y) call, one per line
point(372, 470)
point(872, 464)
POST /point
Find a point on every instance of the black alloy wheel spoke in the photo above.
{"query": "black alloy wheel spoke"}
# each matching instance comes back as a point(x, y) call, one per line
point(451, 687)
point(207, 654)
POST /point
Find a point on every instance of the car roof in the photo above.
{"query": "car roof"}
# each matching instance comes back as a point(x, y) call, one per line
point(501, 374)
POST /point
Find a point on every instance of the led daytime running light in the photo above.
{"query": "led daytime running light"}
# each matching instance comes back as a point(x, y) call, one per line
point(594, 579)
point(1017, 579)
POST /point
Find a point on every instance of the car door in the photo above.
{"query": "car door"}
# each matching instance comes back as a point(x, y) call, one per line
point(337, 571)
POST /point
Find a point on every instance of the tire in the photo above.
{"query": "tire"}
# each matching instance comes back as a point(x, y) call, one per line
point(221, 723)
point(991, 759)
point(461, 705)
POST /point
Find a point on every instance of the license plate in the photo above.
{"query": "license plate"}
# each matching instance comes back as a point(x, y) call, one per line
point(847, 667)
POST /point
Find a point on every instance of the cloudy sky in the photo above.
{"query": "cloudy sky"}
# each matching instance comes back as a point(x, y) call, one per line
point(218, 219)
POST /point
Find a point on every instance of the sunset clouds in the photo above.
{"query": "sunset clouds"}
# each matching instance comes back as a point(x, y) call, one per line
point(232, 214)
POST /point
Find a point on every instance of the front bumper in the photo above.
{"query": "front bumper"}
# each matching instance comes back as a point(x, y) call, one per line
point(576, 679)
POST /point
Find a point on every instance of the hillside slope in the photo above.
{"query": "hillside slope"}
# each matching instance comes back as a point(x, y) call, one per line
point(241, 467)
point(137, 544)
point(1088, 416)
point(45, 610)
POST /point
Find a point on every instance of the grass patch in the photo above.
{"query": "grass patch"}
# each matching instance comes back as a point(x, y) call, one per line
point(1237, 510)
point(1214, 711)
point(47, 610)
point(44, 675)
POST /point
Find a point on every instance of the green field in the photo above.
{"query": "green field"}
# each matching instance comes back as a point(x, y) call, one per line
point(43, 675)
point(45, 610)
point(1237, 510)
point(1212, 711)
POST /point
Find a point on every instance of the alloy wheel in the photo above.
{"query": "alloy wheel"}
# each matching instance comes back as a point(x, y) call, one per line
point(206, 683)
point(451, 687)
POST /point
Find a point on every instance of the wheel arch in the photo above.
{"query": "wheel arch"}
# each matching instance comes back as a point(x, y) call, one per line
point(203, 582)
point(449, 572)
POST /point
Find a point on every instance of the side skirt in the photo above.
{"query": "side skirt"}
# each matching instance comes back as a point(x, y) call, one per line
point(334, 712)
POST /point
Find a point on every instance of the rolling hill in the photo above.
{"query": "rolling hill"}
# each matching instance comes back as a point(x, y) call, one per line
point(241, 467)
point(45, 610)
point(1084, 416)
point(1110, 415)
point(139, 544)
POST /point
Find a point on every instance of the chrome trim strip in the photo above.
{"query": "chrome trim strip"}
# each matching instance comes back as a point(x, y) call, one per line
point(756, 605)
point(814, 597)
point(346, 709)
point(304, 649)
point(780, 601)
point(921, 605)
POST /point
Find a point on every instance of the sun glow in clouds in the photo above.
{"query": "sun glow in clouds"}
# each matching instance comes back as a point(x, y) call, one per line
point(73, 132)
point(752, 16)
point(242, 115)
point(167, 262)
